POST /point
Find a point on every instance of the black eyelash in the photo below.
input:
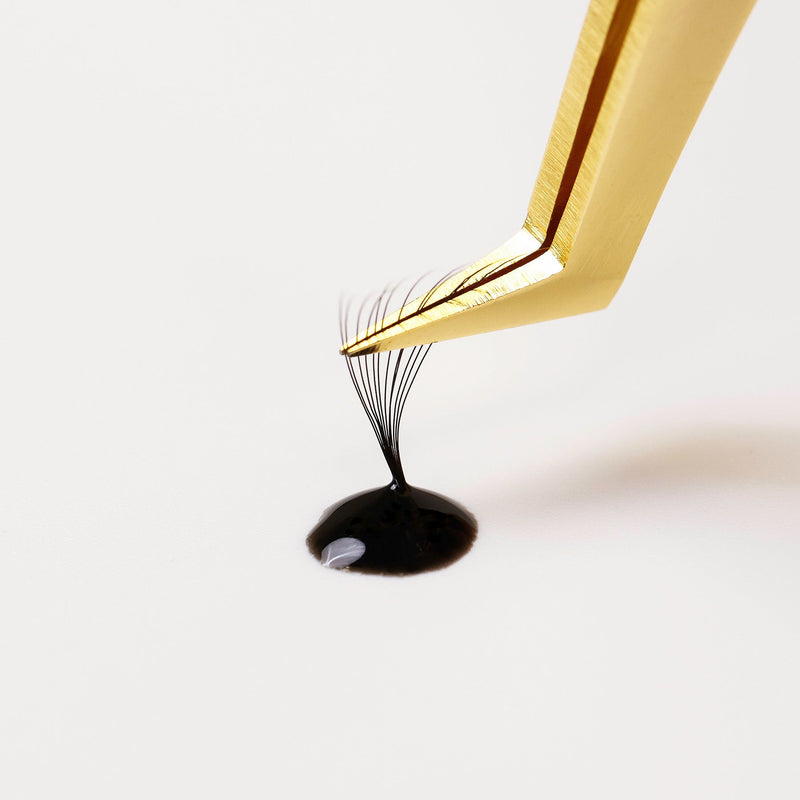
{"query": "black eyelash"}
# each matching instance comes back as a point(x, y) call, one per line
point(384, 379)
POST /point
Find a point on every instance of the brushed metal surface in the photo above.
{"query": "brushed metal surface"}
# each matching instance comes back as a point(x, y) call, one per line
point(640, 75)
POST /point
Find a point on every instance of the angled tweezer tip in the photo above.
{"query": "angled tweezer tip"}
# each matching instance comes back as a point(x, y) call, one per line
point(640, 76)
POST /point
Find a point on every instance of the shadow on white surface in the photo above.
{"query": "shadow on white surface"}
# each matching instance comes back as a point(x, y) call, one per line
point(689, 460)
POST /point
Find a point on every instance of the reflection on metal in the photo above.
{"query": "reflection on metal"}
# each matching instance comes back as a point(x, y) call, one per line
point(641, 73)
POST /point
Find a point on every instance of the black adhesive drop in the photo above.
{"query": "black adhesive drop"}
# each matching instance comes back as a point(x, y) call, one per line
point(393, 531)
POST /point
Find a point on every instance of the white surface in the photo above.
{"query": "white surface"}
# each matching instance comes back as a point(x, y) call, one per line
point(183, 186)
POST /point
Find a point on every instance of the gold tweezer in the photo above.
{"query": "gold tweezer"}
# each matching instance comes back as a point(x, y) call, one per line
point(641, 73)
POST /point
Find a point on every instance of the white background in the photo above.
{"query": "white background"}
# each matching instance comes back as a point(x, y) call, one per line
point(185, 191)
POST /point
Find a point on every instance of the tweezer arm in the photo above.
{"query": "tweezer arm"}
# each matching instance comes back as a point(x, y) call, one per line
point(641, 73)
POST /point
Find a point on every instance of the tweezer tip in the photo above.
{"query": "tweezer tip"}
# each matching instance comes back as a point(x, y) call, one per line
point(355, 349)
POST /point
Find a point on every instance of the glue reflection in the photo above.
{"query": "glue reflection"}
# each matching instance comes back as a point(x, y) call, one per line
point(341, 553)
